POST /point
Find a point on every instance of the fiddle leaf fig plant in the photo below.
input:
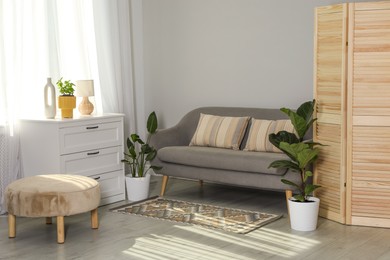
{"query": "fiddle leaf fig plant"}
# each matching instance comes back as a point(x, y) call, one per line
point(302, 153)
point(139, 153)
point(66, 87)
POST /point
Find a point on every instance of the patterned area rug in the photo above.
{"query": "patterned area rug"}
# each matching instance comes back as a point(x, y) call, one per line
point(228, 219)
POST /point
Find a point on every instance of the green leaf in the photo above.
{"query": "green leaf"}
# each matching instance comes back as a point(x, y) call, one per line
point(151, 155)
point(132, 152)
point(309, 188)
point(306, 156)
point(136, 139)
point(152, 123)
point(307, 175)
point(301, 119)
point(284, 164)
point(306, 110)
point(293, 149)
point(290, 183)
point(313, 144)
point(129, 143)
point(282, 136)
point(300, 153)
point(146, 148)
point(300, 198)
point(298, 122)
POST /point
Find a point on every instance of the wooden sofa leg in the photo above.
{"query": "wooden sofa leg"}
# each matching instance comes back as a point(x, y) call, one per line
point(164, 185)
point(94, 219)
point(60, 230)
point(49, 221)
point(201, 183)
point(11, 226)
point(288, 195)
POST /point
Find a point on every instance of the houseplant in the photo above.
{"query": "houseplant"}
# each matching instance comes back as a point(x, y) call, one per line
point(138, 157)
point(66, 101)
point(302, 154)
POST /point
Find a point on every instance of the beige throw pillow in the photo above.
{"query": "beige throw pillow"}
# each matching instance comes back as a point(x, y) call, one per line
point(218, 131)
point(260, 130)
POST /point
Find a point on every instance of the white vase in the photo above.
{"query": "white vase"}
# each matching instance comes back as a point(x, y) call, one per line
point(50, 99)
point(137, 188)
point(304, 215)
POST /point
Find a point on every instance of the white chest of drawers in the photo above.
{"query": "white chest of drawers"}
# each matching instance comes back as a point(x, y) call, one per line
point(90, 146)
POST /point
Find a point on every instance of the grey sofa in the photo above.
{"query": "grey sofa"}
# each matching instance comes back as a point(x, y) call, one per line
point(233, 167)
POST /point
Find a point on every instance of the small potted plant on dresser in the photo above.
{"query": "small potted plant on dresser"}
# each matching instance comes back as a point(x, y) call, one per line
point(138, 157)
point(303, 207)
point(66, 101)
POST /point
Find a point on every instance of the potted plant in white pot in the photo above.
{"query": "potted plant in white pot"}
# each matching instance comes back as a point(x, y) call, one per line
point(138, 157)
point(303, 207)
point(66, 101)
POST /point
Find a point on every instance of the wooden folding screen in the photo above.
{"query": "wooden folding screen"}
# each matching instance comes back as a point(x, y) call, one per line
point(352, 87)
point(368, 147)
point(330, 54)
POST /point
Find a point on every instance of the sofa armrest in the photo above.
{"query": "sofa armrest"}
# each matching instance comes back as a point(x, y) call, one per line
point(173, 136)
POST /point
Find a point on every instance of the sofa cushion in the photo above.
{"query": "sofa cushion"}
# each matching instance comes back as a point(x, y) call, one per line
point(219, 131)
point(260, 130)
point(217, 158)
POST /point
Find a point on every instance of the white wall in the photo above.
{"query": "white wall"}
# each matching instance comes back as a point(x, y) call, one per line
point(250, 53)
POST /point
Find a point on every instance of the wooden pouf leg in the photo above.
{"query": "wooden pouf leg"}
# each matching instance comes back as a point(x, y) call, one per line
point(49, 220)
point(94, 219)
point(11, 226)
point(60, 230)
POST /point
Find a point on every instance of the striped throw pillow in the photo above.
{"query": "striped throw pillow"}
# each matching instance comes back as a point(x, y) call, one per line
point(260, 130)
point(218, 131)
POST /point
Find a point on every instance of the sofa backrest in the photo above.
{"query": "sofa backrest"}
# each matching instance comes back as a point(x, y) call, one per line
point(189, 122)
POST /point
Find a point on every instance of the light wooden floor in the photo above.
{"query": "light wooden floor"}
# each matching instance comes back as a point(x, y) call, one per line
point(133, 237)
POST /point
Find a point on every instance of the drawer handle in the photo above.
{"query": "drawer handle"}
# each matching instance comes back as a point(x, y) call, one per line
point(94, 153)
point(97, 178)
point(92, 127)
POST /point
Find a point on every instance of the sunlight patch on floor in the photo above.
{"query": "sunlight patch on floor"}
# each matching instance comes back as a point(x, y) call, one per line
point(216, 244)
point(286, 240)
point(170, 247)
point(273, 248)
point(284, 236)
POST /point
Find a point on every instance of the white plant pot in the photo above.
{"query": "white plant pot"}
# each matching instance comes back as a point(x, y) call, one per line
point(304, 215)
point(137, 188)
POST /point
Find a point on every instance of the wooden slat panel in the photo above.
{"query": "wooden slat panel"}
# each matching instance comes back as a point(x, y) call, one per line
point(329, 92)
point(371, 39)
point(371, 199)
point(327, 118)
point(371, 120)
point(372, 6)
point(372, 83)
point(371, 221)
point(369, 169)
point(328, 133)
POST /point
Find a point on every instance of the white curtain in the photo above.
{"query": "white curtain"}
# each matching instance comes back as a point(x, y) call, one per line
point(74, 39)
point(114, 48)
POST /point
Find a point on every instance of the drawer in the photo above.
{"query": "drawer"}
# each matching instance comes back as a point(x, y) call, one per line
point(90, 136)
point(92, 162)
point(111, 183)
